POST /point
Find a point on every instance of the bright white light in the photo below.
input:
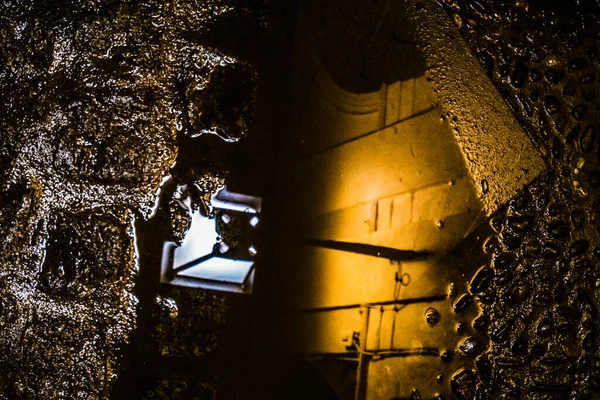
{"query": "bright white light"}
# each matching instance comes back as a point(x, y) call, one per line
point(198, 241)
point(252, 251)
point(223, 248)
point(226, 218)
point(220, 269)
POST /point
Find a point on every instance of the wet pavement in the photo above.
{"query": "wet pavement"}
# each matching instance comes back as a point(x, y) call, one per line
point(104, 102)
point(97, 100)
point(519, 320)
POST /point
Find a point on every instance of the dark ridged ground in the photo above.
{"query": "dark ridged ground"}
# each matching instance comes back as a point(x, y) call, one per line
point(543, 296)
point(95, 98)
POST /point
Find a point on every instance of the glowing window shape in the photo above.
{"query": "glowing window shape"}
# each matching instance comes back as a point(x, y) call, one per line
point(199, 261)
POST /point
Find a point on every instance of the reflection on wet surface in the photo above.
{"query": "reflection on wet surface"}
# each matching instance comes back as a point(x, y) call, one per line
point(97, 98)
point(373, 166)
point(200, 258)
point(430, 179)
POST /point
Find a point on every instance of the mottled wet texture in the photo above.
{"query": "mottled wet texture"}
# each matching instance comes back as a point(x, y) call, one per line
point(97, 97)
point(543, 278)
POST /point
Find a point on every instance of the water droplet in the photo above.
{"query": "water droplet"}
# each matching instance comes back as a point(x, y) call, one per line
point(504, 70)
point(520, 223)
point(461, 328)
point(580, 263)
point(555, 208)
point(462, 303)
point(564, 326)
point(552, 105)
point(545, 273)
point(497, 223)
point(585, 300)
point(560, 292)
point(588, 94)
point(587, 79)
point(570, 349)
point(470, 346)
point(491, 245)
point(557, 148)
point(588, 138)
point(545, 327)
point(481, 323)
point(570, 88)
point(446, 356)
point(432, 316)
point(552, 361)
point(579, 111)
point(482, 280)
point(485, 186)
point(488, 296)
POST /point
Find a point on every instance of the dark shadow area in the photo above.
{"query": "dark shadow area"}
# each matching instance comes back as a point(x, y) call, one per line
point(370, 250)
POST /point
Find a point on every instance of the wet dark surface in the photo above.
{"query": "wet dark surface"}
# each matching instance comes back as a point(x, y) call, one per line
point(100, 99)
point(543, 294)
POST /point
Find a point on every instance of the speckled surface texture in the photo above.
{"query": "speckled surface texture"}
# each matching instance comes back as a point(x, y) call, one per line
point(101, 100)
point(96, 98)
point(543, 299)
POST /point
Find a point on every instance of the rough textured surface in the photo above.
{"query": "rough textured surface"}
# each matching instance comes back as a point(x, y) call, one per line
point(499, 155)
point(95, 96)
point(542, 299)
